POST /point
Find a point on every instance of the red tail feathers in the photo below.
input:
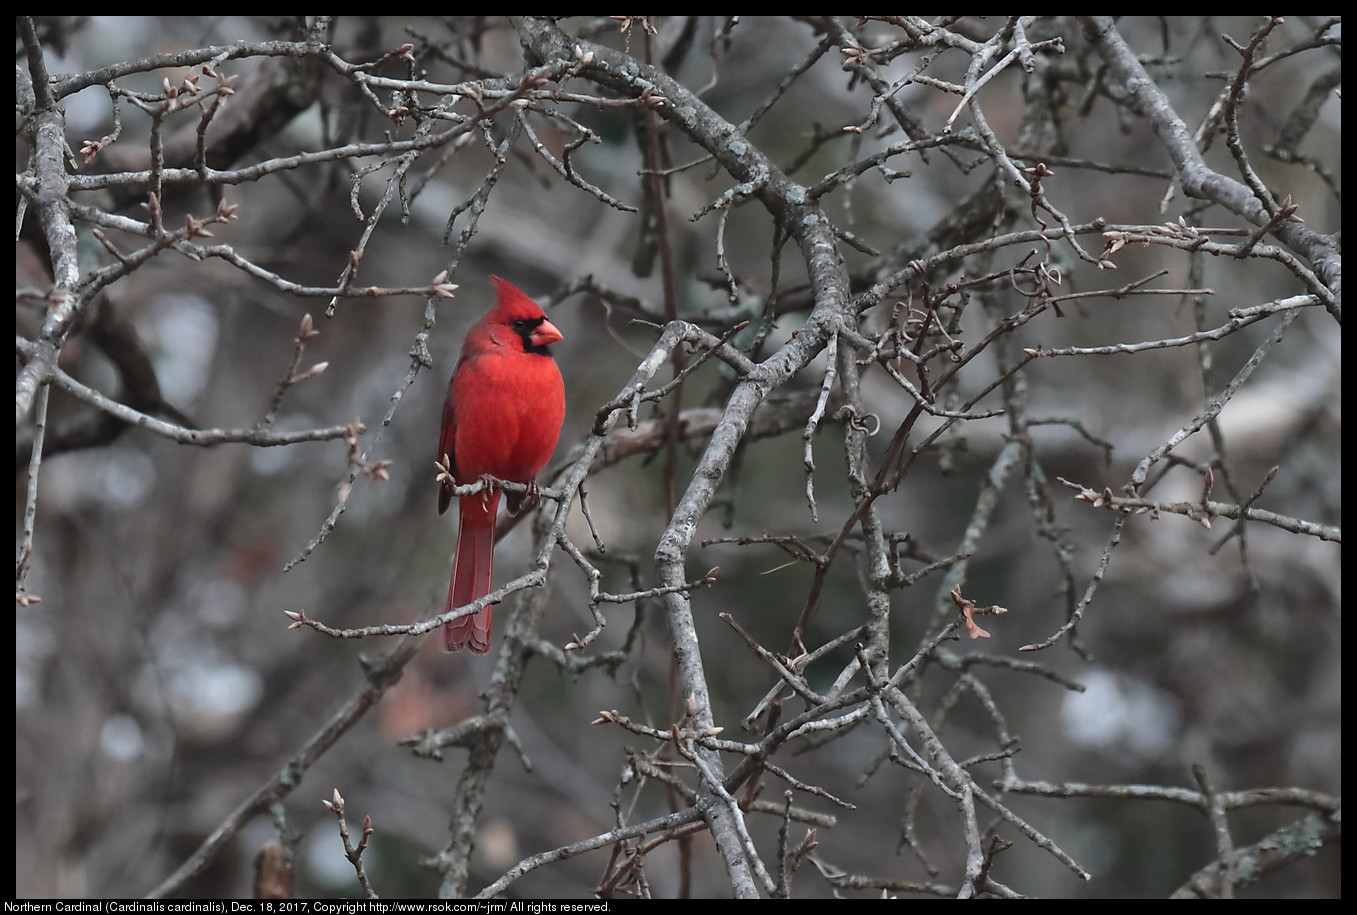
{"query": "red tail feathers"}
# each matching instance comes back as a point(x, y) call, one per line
point(473, 571)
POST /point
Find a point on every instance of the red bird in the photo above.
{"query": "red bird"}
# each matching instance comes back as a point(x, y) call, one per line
point(503, 415)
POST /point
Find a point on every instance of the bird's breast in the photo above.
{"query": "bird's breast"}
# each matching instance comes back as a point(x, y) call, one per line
point(509, 413)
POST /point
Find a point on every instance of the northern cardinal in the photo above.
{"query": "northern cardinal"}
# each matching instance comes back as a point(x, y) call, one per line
point(502, 417)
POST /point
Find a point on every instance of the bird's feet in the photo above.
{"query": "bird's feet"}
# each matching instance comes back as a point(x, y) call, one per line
point(519, 502)
point(488, 489)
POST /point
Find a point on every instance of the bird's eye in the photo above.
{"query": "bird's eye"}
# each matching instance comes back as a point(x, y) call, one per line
point(524, 325)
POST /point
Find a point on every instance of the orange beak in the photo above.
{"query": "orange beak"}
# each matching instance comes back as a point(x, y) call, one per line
point(545, 333)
